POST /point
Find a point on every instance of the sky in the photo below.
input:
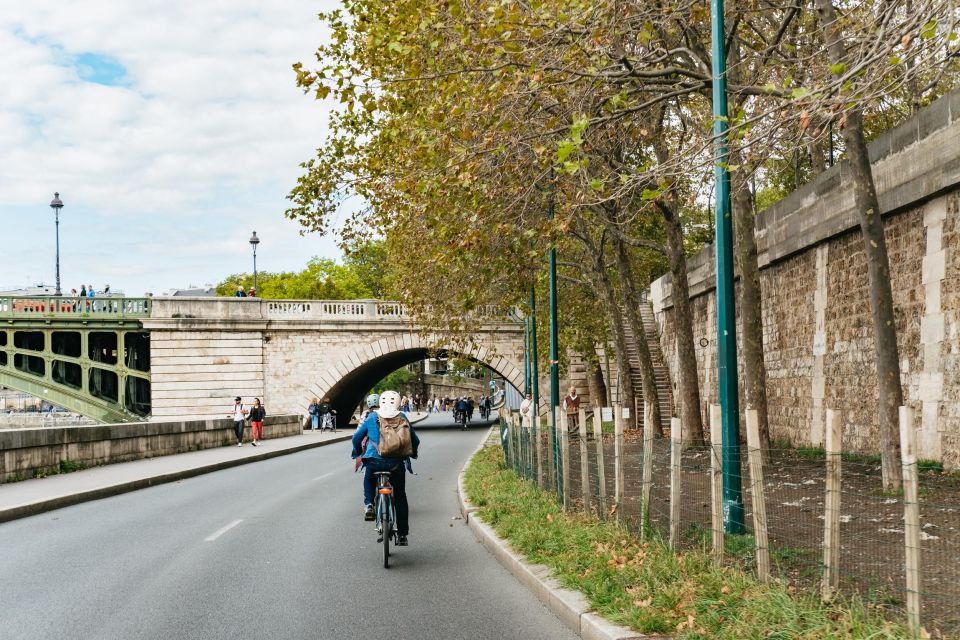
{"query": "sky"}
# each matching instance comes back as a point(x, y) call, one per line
point(172, 129)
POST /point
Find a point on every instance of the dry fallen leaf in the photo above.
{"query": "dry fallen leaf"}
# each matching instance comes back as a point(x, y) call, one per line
point(643, 603)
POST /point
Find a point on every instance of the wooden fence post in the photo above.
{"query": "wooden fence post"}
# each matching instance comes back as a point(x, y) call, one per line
point(618, 459)
point(676, 451)
point(831, 515)
point(601, 469)
point(647, 477)
point(911, 516)
point(537, 446)
point(755, 455)
point(716, 480)
point(564, 455)
point(584, 461)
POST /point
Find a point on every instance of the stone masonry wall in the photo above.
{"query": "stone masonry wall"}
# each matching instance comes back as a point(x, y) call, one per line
point(817, 325)
point(27, 453)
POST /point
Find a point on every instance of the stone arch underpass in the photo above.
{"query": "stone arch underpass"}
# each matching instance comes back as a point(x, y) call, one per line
point(349, 379)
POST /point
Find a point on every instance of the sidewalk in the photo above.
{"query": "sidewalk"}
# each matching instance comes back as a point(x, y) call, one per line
point(30, 497)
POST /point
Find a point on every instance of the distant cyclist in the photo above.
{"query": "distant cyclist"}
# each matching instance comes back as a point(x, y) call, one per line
point(366, 442)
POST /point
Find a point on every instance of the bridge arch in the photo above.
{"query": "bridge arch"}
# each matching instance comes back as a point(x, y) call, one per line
point(347, 380)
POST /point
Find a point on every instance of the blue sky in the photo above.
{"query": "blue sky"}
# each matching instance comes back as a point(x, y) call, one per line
point(172, 129)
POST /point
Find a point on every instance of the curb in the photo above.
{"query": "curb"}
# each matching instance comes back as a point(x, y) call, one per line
point(42, 506)
point(569, 606)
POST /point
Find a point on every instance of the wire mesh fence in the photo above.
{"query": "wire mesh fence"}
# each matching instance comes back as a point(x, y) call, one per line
point(600, 469)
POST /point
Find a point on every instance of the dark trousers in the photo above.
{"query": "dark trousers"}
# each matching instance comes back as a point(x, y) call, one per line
point(398, 478)
point(238, 429)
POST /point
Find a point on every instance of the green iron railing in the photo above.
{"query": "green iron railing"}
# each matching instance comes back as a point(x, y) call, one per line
point(12, 307)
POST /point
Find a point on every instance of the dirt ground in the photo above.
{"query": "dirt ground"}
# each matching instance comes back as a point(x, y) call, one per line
point(871, 529)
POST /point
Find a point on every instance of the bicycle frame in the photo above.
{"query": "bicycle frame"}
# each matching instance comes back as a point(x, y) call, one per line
point(385, 514)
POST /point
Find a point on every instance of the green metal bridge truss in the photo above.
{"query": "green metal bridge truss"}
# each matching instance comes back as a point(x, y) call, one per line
point(89, 355)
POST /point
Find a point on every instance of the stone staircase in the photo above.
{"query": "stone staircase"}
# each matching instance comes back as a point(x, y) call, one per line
point(661, 374)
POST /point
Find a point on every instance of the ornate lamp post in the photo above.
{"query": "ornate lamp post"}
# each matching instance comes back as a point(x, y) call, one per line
point(254, 241)
point(56, 204)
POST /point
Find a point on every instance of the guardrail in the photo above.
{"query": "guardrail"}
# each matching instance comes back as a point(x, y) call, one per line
point(353, 309)
point(71, 306)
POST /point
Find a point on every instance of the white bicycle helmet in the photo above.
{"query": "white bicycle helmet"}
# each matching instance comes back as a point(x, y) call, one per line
point(389, 404)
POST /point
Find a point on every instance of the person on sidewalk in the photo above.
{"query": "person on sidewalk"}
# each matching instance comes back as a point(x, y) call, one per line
point(571, 407)
point(328, 416)
point(526, 410)
point(257, 414)
point(239, 416)
point(314, 411)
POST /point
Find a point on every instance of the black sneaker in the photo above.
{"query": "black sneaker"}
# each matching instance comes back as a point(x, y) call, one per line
point(402, 541)
point(368, 512)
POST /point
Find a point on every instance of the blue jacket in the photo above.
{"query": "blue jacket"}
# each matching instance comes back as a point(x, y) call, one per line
point(370, 429)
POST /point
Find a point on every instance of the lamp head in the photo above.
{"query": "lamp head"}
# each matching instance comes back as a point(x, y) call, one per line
point(57, 204)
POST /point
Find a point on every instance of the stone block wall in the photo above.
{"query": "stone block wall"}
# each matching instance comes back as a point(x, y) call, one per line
point(26, 453)
point(817, 324)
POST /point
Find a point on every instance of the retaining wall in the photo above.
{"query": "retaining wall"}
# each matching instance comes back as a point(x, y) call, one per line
point(817, 325)
point(27, 453)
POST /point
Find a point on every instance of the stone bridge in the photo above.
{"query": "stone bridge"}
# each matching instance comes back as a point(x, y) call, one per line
point(123, 359)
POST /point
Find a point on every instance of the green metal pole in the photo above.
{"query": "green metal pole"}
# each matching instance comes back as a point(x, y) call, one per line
point(534, 368)
point(526, 355)
point(726, 311)
point(554, 349)
point(534, 381)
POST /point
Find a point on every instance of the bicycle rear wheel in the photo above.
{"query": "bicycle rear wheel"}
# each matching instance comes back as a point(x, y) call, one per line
point(387, 533)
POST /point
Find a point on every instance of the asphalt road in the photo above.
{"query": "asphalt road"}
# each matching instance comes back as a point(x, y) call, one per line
point(274, 549)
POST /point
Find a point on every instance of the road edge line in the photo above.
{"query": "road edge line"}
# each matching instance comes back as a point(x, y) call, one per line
point(569, 606)
point(43, 506)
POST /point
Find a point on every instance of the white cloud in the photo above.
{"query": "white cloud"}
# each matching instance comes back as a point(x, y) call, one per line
point(165, 174)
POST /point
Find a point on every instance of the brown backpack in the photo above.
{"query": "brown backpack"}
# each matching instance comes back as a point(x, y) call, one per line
point(395, 440)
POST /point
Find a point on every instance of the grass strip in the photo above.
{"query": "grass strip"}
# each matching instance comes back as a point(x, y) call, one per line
point(644, 585)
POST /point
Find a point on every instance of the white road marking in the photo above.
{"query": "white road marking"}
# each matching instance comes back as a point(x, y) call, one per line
point(326, 475)
point(219, 532)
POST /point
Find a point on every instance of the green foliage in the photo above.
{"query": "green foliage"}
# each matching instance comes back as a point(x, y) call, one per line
point(69, 466)
point(648, 587)
point(363, 274)
point(399, 380)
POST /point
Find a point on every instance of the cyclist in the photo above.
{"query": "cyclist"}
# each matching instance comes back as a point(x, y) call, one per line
point(372, 462)
point(460, 410)
point(373, 403)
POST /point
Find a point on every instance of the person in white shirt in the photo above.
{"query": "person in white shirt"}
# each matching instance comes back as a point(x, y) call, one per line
point(526, 409)
point(239, 416)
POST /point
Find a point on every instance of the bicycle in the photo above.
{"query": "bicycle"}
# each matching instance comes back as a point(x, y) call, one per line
point(463, 420)
point(386, 514)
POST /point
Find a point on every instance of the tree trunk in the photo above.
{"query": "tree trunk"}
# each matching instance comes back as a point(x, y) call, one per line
point(631, 302)
point(689, 382)
point(818, 159)
point(619, 342)
point(595, 383)
point(751, 312)
point(878, 265)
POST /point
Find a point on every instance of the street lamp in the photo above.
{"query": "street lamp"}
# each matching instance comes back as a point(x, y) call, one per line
point(56, 204)
point(254, 241)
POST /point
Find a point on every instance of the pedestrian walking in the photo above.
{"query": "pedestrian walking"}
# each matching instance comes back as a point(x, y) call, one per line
point(83, 291)
point(240, 292)
point(257, 414)
point(571, 406)
point(314, 411)
point(239, 416)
